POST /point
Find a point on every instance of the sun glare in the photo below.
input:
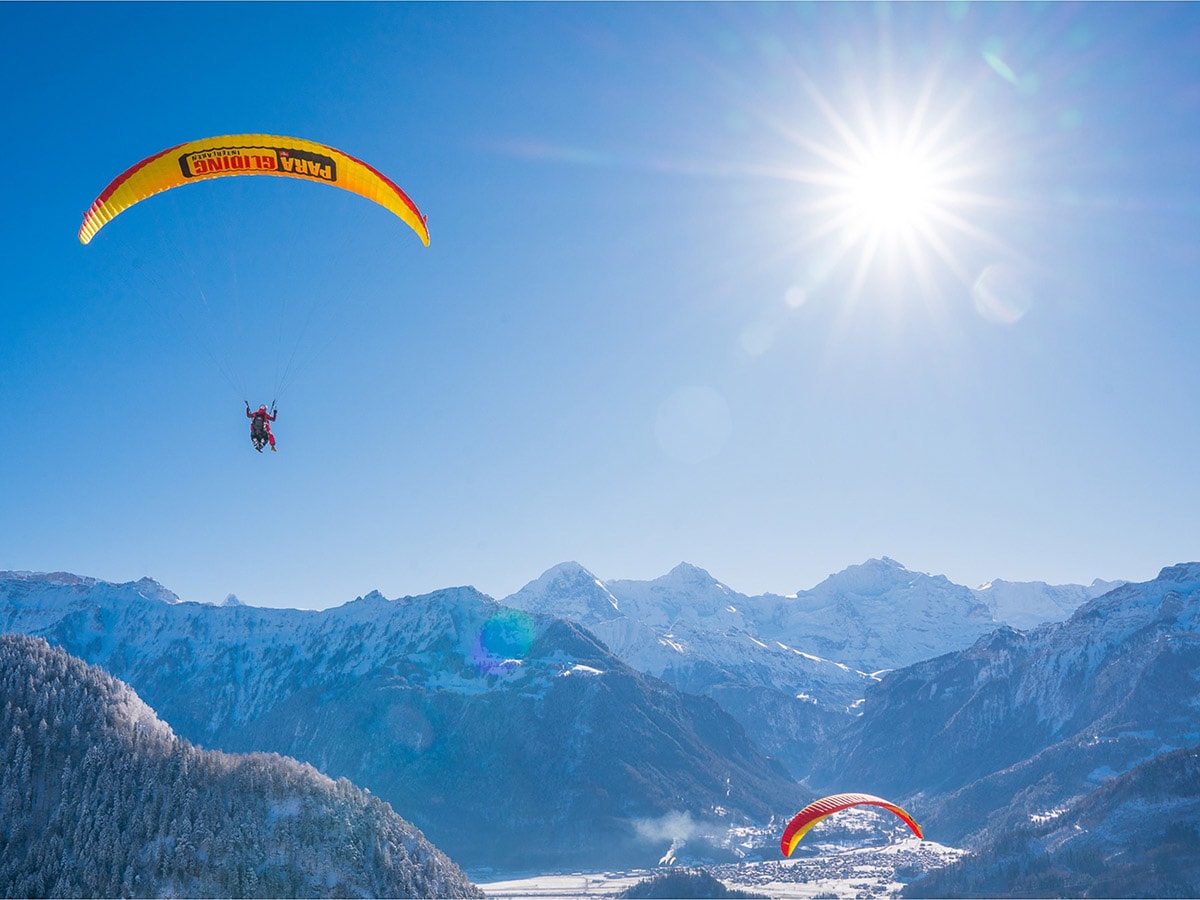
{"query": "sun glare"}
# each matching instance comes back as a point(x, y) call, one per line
point(890, 192)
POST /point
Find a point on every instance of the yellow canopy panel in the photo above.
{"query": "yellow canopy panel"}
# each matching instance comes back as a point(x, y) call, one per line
point(248, 154)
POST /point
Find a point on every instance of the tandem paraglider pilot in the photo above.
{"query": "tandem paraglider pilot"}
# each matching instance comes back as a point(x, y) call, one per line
point(260, 425)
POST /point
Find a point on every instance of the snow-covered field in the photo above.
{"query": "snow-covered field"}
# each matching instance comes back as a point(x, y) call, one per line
point(867, 872)
point(603, 884)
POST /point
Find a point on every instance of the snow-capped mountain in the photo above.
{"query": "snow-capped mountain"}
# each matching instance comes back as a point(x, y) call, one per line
point(867, 618)
point(705, 638)
point(880, 615)
point(512, 740)
point(99, 798)
point(1023, 726)
point(1025, 605)
point(569, 591)
point(666, 626)
point(791, 669)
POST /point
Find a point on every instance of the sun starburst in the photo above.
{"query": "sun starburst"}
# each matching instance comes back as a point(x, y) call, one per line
point(896, 191)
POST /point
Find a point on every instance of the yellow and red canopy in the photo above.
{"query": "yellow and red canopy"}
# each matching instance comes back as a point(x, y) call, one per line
point(248, 154)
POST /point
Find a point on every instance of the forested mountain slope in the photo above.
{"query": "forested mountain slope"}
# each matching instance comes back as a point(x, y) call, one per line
point(99, 798)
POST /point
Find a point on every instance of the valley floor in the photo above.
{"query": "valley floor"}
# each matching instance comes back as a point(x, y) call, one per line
point(864, 872)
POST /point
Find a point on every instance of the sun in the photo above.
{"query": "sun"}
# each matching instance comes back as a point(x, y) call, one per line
point(893, 191)
point(897, 200)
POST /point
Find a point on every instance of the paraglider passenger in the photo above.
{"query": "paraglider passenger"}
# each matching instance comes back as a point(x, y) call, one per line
point(260, 426)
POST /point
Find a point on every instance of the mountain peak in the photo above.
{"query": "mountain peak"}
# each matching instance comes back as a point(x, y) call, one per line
point(569, 590)
point(569, 570)
point(685, 589)
point(686, 573)
point(567, 575)
point(152, 590)
point(872, 578)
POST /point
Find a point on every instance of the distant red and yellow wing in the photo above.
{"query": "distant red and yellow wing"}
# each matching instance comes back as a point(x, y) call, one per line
point(827, 806)
point(248, 154)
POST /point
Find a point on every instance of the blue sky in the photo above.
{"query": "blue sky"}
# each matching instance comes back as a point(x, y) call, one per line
point(770, 288)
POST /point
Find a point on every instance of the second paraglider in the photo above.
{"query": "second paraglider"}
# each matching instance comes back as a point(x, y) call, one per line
point(827, 806)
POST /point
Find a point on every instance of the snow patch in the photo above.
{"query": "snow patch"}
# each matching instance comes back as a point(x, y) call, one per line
point(580, 669)
point(666, 642)
point(1048, 816)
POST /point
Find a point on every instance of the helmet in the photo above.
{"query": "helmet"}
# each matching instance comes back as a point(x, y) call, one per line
point(262, 406)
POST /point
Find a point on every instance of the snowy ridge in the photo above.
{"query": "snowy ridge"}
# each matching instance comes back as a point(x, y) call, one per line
point(879, 615)
point(308, 647)
point(683, 618)
point(870, 617)
point(792, 668)
point(1025, 605)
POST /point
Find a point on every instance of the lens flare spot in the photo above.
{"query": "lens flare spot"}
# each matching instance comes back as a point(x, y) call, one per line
point(503, 641)
point(795, 297)
point(1000, 67)
point(1002, 294)
point(757, 337)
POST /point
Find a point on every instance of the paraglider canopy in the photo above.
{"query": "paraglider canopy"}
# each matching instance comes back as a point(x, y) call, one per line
point(248, 154)
point(827, 806)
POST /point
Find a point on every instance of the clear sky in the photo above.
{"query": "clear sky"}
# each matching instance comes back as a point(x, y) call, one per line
point(771, 289)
